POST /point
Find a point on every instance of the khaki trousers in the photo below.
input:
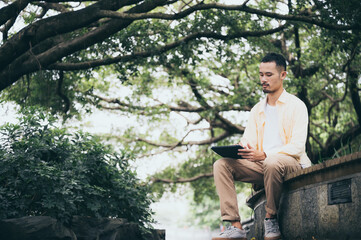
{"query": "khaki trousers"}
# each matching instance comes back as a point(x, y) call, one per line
point(269, 173)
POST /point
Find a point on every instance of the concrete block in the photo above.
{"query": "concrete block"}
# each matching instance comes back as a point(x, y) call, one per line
point(328, 215)
point(305, 212)
point(289, 220)
point(309, 212)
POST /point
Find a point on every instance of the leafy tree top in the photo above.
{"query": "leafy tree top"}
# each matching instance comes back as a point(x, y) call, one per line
point(44, 170)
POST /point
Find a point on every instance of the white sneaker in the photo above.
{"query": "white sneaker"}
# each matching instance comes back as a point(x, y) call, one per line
point(232, 233)
point(272, 230)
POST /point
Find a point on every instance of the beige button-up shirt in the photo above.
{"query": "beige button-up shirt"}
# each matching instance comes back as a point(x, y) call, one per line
point(293, 122)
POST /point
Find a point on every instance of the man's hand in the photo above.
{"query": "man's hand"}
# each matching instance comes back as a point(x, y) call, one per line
point(251, 154)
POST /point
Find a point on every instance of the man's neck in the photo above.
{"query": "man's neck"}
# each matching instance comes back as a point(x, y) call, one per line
point(273, 97)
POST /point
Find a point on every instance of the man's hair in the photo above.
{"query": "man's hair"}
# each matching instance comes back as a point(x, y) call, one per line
point(277, 58)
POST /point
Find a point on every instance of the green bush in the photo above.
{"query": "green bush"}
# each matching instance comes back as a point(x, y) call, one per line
point(46, 171)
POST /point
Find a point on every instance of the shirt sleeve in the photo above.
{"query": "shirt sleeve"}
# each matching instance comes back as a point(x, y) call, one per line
point(250, 132)
point(296, 145)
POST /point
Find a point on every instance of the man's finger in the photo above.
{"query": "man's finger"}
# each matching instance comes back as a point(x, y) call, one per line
point(240, 144)
point(245, 150)
point(245, 154)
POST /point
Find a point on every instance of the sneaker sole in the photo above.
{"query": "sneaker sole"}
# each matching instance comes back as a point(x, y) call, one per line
point(217, 238)
point(272, 238)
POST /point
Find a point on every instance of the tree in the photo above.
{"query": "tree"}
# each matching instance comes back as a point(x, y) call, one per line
point(182, 47)
point(47, 171)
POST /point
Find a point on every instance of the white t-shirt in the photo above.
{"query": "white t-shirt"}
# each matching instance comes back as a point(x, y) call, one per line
point(271, 139)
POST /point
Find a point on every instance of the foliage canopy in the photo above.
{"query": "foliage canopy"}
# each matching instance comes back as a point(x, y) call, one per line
point(46, 171)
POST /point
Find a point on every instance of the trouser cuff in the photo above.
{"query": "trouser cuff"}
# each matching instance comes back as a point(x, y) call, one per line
point(270, 211)
point(231, 219)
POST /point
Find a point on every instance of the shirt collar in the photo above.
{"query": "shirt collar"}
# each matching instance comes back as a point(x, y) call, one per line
point(281, 99)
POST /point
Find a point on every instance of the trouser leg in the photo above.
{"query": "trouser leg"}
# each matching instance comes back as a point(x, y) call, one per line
point(228, 170)
point(275, 167)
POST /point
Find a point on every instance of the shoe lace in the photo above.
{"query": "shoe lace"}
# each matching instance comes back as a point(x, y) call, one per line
point(272, 226)
point(228, 230)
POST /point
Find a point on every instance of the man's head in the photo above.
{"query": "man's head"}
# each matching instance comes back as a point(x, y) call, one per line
point(272, 72)
point(278, 59)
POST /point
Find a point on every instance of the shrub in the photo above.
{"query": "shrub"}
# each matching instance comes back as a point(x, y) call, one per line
point(44, 170)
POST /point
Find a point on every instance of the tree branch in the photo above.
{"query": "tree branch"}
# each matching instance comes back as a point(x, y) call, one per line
point(52, 26)
point(12, 10)
point(59, 91)
point(193, 122)
point(208, 141)
point(160, 50)
point(175, 16)
point(11, 73)
point(182, 180)
point(242, 7)
point(330, 147)
point(317, 141)
point(182, 107)
point(5, 29)
point(353, 74)
point(185, 107)
point(229, 125)
point(159, 152)
point(54, 6)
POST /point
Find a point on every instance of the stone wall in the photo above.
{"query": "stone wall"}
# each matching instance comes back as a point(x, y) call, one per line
point(320, 202)
point(82, 228)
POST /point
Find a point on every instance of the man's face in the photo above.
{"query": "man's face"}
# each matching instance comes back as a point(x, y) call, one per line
point(271, 77)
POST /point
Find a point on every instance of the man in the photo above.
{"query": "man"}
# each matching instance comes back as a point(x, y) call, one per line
point(274, 145)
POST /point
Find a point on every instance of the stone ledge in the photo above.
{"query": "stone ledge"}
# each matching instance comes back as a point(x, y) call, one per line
point(254, 197)
point(345, 165)
point(326, 164)
point(306, 211)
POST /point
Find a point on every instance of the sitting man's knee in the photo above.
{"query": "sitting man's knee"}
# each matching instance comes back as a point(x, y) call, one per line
point(271, 163)
point(219, 164)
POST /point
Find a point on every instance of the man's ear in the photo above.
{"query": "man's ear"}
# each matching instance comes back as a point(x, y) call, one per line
point(283, 75)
